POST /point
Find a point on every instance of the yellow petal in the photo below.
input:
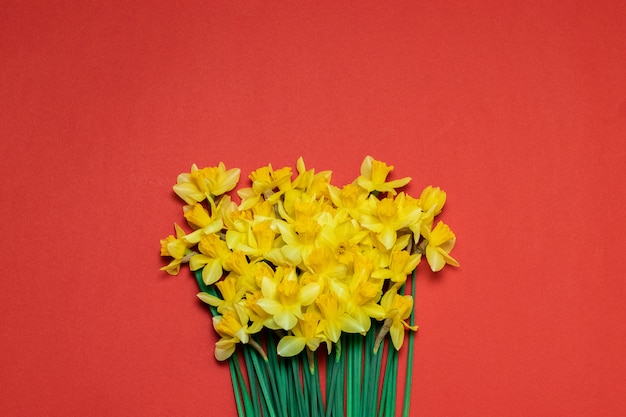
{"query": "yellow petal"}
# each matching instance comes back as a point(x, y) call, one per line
point(387, 237)
point(224, 349)
point(198, 261)
point(270, 306)
point(366, 167)
point(212, 272)
point(397, 335)
point(290, 346)
point(309, 293)
point(285, 320)
point(350, 325)
point(209, 299)
point(434, 258)
point(189, 193)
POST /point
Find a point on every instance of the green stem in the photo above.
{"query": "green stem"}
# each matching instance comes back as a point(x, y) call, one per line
point(264, 384)
point(238, 396)
point(239, 384)
point(392, 367)
point(406, 407)
point(297, 389)
point(252, 380)
point(340, 381)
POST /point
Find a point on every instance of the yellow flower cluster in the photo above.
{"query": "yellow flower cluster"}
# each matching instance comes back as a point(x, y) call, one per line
point(303, 257)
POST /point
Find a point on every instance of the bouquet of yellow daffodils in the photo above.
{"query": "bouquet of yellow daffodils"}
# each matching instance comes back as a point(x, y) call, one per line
point(298, 266)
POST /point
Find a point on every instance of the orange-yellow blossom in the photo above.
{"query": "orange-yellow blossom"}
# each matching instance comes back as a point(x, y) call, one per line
point(200, 184)
point(374, 177)
point(441, 241)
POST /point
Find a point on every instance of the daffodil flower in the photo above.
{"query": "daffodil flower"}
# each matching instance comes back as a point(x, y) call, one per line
point(211, 259)
point(401, 264)
point(300, 238)
point(342, 235)
point(311, 183)
point(397, 310)
point(200, 184)
point(244, 270)
point(441, 241)
point(321, 262)
point(204, 222)
point(264, 182)
point(175, 247)
point(360, 295)
point(432, 201)
point(232, 326)
point(334, 317)
point(284, 298)
point(259, 318)
point(231, 293)
point(374, 177)
point(388, 216)
point(256, 241)
point(304, 334)
point(351, 198)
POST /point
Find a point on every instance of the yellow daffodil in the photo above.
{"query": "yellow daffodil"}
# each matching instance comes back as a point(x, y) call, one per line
point(175, 247)
point(342, 235)
point(321, 261)
point(212, 256)
point(334, 317)
point(257, 240)
point(246, 271)
point(265, 183)
point(204, 222)
point(397, 310)
point(297, 205)
point(388, 216)
point(310, 182)
point(200, 184)
point(441, 241)
point(374, 177)
point(304, 334)
point(360, 295)
point(283, 297)
point(232, 326)
point(300, 238)
point(432, 201)
point(401, 264)
point(231, 293)
point(351, 198)
point(259, 318)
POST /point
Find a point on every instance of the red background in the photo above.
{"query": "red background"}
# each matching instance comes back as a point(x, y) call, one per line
point(516, 109)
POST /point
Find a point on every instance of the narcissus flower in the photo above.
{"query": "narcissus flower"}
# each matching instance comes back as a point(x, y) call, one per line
point(211, 259)
point(231, 293)
point(374, 177)
point(335, 320)
point(284, 298)
point(175, 247)
point(401, 264)
point(200, 184)
point(397, 310)
point(441, 240)
point(388, 216)
point(303, 334)
point(432, 201)
point(233, 329)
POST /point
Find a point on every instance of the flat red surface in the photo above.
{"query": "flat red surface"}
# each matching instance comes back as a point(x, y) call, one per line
point(516, 109)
